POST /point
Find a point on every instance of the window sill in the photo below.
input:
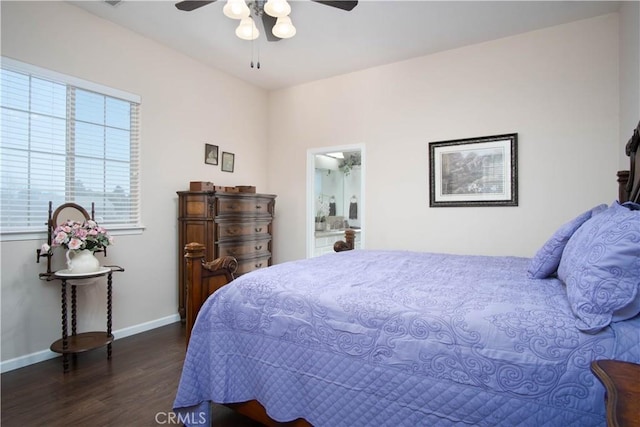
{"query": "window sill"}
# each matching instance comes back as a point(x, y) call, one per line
point(9, 236)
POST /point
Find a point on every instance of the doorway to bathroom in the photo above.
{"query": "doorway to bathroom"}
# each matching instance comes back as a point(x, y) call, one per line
point(335, 196)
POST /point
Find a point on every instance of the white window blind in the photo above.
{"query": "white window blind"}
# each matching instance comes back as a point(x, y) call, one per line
point(65, 141)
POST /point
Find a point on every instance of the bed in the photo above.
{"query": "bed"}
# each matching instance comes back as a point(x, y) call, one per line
point(374, 338)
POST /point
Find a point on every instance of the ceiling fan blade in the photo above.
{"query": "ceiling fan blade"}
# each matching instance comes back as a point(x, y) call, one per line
point(344, 5)
point(189, 5)
point(267, 23)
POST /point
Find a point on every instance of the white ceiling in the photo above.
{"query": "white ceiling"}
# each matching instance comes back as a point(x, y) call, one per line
point(331, 41)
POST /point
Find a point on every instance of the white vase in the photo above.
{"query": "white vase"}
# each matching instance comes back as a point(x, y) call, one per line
point(82, 261)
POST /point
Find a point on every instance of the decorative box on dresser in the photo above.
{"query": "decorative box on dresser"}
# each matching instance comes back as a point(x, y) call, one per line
point(234, 224)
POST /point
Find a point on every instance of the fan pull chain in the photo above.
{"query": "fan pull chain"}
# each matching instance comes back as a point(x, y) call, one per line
point(253, 54)
point(259, 11)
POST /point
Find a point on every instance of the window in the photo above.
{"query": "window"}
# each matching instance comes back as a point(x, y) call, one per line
point(65, 140)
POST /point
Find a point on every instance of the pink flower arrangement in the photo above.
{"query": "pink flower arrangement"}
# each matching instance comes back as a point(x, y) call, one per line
point(75, 235)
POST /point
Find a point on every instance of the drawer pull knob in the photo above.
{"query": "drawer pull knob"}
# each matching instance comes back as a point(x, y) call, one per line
point(257, 248)
point(258, 206)
point(258, 265)
point(258, 229)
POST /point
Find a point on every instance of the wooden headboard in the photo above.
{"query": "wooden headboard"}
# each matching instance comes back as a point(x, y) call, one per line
point(629, 180)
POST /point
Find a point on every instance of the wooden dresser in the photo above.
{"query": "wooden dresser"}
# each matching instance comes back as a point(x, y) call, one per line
point(235, 224)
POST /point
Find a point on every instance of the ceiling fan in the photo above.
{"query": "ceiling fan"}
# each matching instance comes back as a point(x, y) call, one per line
point(257, 7)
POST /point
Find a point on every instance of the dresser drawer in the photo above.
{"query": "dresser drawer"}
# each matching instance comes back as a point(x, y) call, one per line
point(244, 249)
point(248, 265)
point(196, 205)
point(231, 230)
point(254, 206)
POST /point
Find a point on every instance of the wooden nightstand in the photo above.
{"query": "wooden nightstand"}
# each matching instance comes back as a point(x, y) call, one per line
point(622, 383)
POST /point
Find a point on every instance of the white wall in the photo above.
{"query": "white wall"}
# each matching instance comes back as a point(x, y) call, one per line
point(184, 106)
point(629, 73)
point(556, 87)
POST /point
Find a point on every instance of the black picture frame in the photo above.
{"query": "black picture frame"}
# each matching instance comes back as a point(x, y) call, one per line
point(228, 161)
point(480, 171)
point(211, 154)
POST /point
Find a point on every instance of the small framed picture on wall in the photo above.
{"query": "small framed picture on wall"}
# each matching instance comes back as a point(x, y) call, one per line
point(211, 154)
point(228, 160)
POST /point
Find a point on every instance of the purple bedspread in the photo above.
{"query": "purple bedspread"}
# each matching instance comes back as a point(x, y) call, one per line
point(374, 338)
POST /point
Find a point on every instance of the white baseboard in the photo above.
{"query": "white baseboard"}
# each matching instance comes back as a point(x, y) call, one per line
point(41, 356)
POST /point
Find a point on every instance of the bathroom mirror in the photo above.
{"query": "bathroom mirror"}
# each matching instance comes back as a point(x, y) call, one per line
point(334, 196)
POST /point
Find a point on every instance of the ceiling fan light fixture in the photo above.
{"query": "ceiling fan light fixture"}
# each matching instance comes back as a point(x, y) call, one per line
point(284, 28)
point(236, 9)
point(277, 8)
point(247, 29)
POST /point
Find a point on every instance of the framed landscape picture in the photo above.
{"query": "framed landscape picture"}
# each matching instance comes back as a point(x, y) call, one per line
point(479, 171)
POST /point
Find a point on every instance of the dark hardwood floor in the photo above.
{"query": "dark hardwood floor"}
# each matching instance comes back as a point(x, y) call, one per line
point(135, 388)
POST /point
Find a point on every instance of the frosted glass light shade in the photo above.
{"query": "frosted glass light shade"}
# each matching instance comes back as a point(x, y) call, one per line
point(277, 8)
point(236, 9)
point(247, 29)
point(284, 28)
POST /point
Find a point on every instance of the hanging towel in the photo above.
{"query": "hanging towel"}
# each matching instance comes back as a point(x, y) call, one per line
point(353, 210)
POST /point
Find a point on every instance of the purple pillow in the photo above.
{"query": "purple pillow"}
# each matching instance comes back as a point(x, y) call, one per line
point(546, 260)
point(600, 267)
